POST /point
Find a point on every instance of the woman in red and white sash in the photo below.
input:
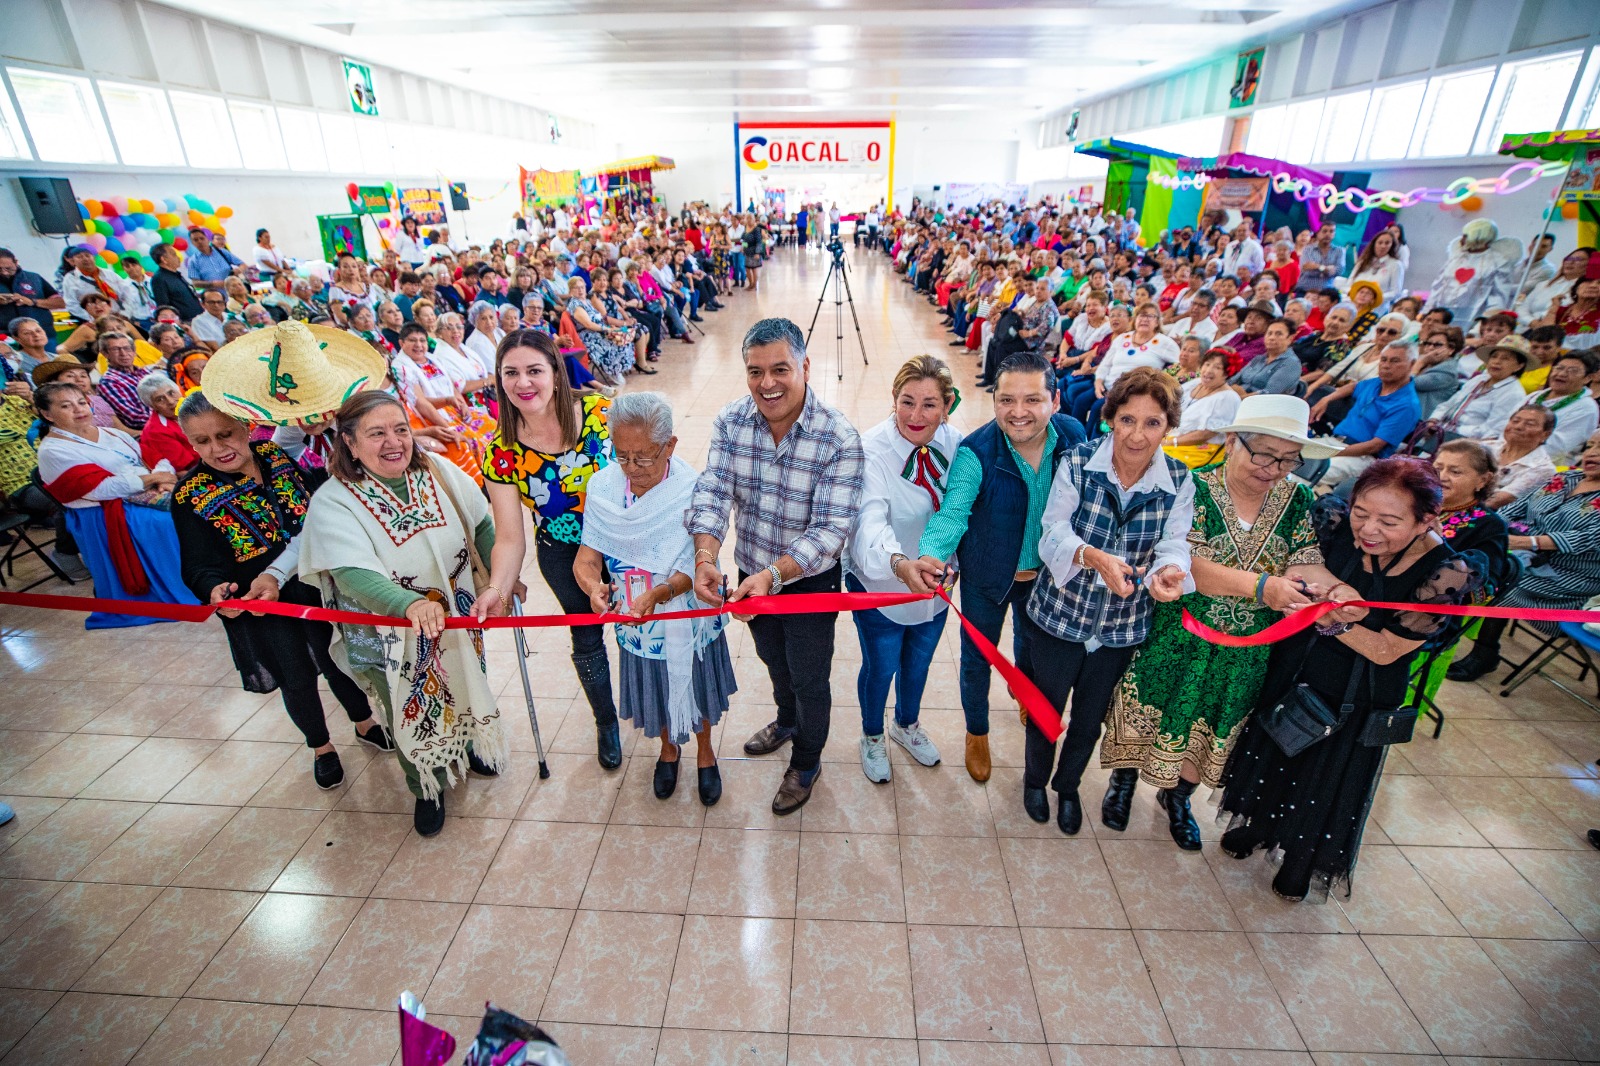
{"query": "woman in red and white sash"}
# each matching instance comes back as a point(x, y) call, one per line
point(114, 505)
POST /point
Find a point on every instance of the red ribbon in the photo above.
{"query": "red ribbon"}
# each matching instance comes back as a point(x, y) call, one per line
point(1306, 617)
point(1027, 693)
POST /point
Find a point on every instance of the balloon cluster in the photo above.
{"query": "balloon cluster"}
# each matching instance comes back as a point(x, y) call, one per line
point(128, 226)
point(1466, 193)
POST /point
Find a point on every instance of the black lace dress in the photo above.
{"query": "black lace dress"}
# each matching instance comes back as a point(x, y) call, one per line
point(1309, 810)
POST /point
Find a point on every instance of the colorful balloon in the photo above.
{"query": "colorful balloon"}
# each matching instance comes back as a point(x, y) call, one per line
point(93, 207)
point(224, 211)
point(181, 245)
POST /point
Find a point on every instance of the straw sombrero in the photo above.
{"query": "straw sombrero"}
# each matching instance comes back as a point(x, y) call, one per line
point(47, 372)
point(291, 373)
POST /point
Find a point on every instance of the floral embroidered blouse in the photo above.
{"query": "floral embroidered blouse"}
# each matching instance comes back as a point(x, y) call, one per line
point(555, 487)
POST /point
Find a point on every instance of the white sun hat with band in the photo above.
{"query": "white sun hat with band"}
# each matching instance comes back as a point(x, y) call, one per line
point(1284, 417)
point(291, 374)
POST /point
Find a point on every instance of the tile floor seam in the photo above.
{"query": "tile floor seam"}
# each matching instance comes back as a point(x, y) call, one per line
point(577, 907)
point(1505, 975)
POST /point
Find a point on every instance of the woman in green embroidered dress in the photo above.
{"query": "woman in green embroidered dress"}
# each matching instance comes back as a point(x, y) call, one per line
point(1181, 703)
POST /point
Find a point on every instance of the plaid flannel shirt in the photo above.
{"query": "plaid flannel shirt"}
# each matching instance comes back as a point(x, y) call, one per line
point(799, 497)
point(120, 389)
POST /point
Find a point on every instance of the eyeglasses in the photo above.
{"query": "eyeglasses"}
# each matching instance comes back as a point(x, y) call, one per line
point(639, 464)
point(1386, 329)
point(1436, 344)
point(1267, 461)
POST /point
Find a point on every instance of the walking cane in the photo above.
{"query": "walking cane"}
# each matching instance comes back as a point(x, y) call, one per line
point(527, 690)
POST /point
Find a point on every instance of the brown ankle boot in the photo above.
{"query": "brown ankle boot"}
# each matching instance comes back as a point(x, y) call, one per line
point(978, 764)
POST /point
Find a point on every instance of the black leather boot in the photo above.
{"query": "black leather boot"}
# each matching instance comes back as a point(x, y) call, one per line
point(594, 674)
point(1185, 830)
point(1119, 799)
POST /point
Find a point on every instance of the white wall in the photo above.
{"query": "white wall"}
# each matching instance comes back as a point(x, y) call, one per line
point(929, 153)
point(1429, 230)
point(287, 206)
point(703, 154)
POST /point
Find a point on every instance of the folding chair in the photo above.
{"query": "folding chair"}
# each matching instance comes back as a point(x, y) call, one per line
point(1570, 641)
point(16, 524)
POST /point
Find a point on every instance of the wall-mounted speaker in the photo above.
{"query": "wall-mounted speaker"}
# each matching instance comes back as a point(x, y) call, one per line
point(458, 196)
point(55, 209)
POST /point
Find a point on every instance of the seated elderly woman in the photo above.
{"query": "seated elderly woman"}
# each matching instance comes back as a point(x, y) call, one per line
point(1209, 404)
point(127, 543)
point(285, 301)
point(636, 557)
point(162, 437)
point(1522, 454)
point(484, 317)
point(1555, 534)
point(613, 350)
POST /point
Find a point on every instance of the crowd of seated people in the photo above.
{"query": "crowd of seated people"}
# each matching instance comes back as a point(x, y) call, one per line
point(1386, 373)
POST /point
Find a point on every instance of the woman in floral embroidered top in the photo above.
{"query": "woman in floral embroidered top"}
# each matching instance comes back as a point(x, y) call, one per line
point(1555, 534)
point(238, 516)
point(548, 446)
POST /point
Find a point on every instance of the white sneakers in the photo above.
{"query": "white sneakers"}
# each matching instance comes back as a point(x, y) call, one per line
point(875, 759)
point(915, 741)
point(875, 755)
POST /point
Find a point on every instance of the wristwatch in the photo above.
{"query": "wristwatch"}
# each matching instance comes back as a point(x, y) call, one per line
point(777, 579)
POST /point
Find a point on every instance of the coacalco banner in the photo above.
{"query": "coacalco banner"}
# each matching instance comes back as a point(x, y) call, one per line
point(773, 149)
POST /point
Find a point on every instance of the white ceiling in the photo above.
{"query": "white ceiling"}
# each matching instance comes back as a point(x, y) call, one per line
point(698, 60)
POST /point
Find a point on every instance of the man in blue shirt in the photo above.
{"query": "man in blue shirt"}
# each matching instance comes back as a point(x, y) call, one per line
point(24, 293)
point(1384, 411)
point(208, 265)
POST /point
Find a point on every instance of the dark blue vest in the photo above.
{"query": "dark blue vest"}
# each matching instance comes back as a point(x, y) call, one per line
point(993, 542)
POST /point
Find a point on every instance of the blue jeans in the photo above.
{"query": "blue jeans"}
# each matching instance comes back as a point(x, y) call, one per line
point(1077, 396)
point(891, 652)
point(960, 323)
point(987, 615)
point(736, 260)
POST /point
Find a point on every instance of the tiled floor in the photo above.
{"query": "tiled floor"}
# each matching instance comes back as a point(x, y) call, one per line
point(176, 891)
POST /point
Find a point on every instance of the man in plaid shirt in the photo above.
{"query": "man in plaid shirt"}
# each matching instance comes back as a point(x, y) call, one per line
point(119, 386)
point(788, 468)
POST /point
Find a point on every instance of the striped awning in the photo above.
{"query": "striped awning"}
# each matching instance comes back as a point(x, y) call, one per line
point(623, 166)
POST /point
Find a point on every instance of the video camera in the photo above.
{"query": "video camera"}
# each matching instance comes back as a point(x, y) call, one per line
point(836, 246)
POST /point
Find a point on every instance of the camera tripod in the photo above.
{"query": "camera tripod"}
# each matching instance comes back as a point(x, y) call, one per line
point(841, 296)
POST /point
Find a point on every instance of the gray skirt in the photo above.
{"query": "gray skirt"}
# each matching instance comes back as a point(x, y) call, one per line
point(645, 688)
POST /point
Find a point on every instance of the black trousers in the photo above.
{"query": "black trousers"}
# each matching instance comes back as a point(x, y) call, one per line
point(798, 652)
point(1063, 668)
point(588, 642)
point(295, 653)
point(651, 321)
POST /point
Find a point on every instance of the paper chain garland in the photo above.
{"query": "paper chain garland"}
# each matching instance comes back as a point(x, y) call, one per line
point(1358, 199)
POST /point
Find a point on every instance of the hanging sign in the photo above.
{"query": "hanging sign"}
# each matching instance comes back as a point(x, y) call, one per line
point(358, 88)
point(424, 204)
point(1237, 194)
point(859, 148)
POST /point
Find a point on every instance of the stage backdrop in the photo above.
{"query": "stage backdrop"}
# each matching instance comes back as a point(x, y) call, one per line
point(770, 148)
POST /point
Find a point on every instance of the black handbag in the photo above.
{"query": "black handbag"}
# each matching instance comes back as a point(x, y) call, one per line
point(1389, 725)
point(1302, 717)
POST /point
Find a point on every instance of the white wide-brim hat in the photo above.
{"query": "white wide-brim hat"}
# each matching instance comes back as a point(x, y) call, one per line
point(1285, 417)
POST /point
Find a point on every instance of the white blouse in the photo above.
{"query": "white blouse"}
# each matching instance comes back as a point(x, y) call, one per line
point(1209, 412)
point(1125, 354)
point(115, 451)
point(483, 349)
point(1527, 473)
point(894, 512)
point(428, 379)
